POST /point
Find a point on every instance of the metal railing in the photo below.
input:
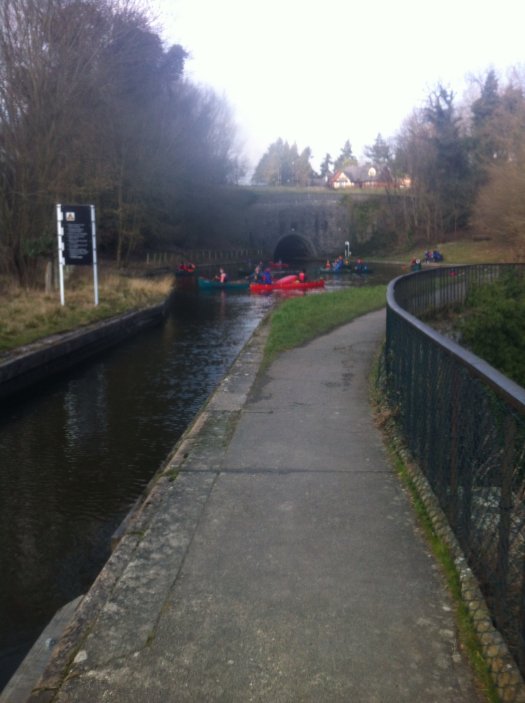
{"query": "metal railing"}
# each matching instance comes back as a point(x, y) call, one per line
point(204, 256)
point(464, 422)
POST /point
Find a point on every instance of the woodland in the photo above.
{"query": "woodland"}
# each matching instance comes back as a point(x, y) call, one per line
point(94, 108)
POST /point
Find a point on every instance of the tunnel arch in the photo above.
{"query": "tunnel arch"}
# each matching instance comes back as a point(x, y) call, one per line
point(294, 247)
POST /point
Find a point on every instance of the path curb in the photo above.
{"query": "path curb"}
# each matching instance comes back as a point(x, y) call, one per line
point(502, 666)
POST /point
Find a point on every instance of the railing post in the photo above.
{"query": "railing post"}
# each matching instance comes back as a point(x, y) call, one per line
point(454, 448)
point(505, 512)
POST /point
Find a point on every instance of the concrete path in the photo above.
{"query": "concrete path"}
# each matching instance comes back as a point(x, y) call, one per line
point(283, 563)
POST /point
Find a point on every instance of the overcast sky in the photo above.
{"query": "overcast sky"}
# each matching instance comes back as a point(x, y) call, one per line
point(319, 73)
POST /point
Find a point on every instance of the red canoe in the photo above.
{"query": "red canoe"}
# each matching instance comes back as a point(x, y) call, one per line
point(290, 285)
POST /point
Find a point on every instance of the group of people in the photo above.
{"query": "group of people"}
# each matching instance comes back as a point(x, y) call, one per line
point(341, 263)
point(435, 255)
point(264, 275)
point(416, 264)
point(361, 266)
point(337, 264)
point(261, 274)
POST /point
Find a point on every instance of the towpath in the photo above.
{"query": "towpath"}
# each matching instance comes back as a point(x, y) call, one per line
point(276, 560)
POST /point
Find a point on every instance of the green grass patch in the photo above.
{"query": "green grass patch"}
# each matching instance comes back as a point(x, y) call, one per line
point(299, 320)
point(461, 251)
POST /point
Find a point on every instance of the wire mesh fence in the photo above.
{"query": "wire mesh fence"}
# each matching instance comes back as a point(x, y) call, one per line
point(464, 422)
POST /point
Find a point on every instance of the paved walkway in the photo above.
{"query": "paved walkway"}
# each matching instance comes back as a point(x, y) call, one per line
point(282, 564)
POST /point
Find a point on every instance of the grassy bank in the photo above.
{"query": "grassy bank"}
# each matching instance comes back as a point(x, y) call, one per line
point(462, 251)
point(298, 320)
point(28, 315)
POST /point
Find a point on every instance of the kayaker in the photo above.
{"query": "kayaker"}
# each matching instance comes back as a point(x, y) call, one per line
point(302, 276)
point(267, 277)
point(222, 277)
point(338, 265)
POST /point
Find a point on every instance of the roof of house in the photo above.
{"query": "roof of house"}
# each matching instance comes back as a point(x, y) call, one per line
point(362, 174)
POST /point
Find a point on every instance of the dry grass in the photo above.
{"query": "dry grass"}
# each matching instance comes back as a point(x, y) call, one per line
point(28, 315)
point(477, 252)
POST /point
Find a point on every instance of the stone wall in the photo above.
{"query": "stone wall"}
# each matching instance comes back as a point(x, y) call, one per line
point(315, 219)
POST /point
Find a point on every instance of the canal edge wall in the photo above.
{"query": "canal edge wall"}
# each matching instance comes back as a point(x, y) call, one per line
point(207, 435)
point(51, 355)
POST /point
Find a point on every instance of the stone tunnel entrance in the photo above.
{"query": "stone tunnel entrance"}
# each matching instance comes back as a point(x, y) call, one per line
point(293, 247)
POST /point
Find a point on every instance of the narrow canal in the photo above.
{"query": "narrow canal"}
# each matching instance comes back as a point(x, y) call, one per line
point(77, 452)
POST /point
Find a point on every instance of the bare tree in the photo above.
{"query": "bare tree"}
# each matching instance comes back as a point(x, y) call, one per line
point(500, 206)
point(415, 156)
point(94, 108)
point(47, 54)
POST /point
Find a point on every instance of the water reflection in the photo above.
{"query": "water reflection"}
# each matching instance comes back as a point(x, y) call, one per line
point(78, 452)
point(85, 406)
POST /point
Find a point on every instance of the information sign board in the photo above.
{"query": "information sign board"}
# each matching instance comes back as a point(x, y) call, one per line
point(77, 243)
point(77, 234)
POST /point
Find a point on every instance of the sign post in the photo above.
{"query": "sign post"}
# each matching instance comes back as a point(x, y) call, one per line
point(77, 243)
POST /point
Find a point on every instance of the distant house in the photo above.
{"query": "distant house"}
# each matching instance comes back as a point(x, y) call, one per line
point(340, 180)
point(364, 177)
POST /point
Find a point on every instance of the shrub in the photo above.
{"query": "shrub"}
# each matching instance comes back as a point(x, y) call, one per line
point(494, 327)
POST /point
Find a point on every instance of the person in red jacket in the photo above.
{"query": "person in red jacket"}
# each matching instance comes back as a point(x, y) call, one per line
point(222, 277)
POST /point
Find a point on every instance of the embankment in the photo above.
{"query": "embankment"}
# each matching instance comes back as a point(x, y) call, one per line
point(51, 355)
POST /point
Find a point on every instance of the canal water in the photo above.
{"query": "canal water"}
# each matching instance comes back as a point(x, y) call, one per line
point(77, 451)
